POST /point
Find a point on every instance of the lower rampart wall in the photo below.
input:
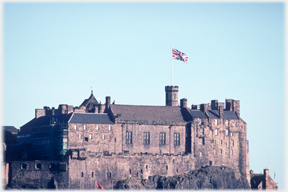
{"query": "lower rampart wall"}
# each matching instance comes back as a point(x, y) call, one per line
point(85, 170)
point(38, 174)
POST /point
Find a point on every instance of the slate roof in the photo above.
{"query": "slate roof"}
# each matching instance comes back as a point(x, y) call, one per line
point(10, 129)
point(91, 99)
point(212, 114)
point(46, 120)
point(90, 118)
point(148, 114)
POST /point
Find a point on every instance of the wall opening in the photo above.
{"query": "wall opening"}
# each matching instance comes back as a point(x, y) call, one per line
point(82, 174)
point(38, 166)
point(92, 174)
point(24, 166)
point(108, 174)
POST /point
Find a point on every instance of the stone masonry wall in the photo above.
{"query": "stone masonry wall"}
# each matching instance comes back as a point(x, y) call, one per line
point(220, 143)
point(106, 170)
point(99, 138)
point(39, 174)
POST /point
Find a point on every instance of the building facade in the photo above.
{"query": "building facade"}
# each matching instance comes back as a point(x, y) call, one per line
point(108, 142)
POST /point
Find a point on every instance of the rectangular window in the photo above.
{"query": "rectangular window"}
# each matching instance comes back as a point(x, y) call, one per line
point(200, 154)
point(232, 143)
point(84, 127)
point(80, 136)
point(97, 127)
point(231, 134)
point(201, 130)
point(109, 128)
point(221, 142)
point(146, 138)
point(75, 127)
point(86, 139)
point(90, 136)
point(226, 122)
point(216, 131)
point(220, 151)
point(200, 121)
point(215, 152)
point(231, 151)
point(103, 137)
point(214, 142)
point(201, 141)
point(128, 137)
point(216, 121)
point(227, 132)
point(162, 138)
point(176, 138)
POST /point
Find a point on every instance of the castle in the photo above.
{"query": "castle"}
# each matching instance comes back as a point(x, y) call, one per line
point(75, 147)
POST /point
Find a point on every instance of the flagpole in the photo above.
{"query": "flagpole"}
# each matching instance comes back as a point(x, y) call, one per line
point(171, 68)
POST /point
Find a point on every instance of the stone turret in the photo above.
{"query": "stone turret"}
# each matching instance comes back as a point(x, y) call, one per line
point(171, 95)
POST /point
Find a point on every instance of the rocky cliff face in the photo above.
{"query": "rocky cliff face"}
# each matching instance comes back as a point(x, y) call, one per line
point(208, 177)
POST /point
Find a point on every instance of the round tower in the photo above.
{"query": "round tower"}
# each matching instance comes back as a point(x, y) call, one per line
point(171, 95)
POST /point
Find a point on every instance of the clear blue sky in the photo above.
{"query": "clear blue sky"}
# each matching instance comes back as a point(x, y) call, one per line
point(54, 53)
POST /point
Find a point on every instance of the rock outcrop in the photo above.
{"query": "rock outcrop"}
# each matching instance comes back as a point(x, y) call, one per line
point(208, 177)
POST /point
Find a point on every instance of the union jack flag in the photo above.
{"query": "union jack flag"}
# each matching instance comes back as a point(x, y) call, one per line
point(179, 55)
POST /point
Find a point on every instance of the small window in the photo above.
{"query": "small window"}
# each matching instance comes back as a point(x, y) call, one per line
point(52, 166)
point(146, 138)
point(232, 143)
point(23, 166)
point(215, 152)
point(90, 136)
point(200, 121)
point(86, 139)
point(82, 174)
point(214, 142)
point(231, 134)
point(216, 121)
point(141, 171)
point(210, 163)
point(201, 141)
point(231, 151)
point(108, 174)
point(162, 138)
point(201, 130)
point(109, 128)
point(220, 151)
point(80, 136)
point(146, 166)
point(103, 137)
point(176, 138)
point(38, 166)
point(200, 154)
point(130, 171)
point(97, 127)
point(166, 167)
point(75, 127)
point(128, 137)
point(92, 174)
point(216, 131)
point(221, 142)
point(227, 132)
point(84, 126)
point(226, 122)
point(174, 96)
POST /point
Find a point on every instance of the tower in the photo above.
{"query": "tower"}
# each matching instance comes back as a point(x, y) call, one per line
point(171, 95)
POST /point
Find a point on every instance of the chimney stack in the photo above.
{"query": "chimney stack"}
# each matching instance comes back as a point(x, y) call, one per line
point(203, 107)
point(183, 103)
point(221, 112)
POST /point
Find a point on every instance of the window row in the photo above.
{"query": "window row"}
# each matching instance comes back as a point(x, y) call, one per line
point(146, 138)
point(216, 122)
point(202, 142)
point(220, 152)
point(97, 127)
point(216, 132)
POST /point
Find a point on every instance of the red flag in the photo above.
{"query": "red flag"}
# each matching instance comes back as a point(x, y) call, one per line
point(99, 186)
